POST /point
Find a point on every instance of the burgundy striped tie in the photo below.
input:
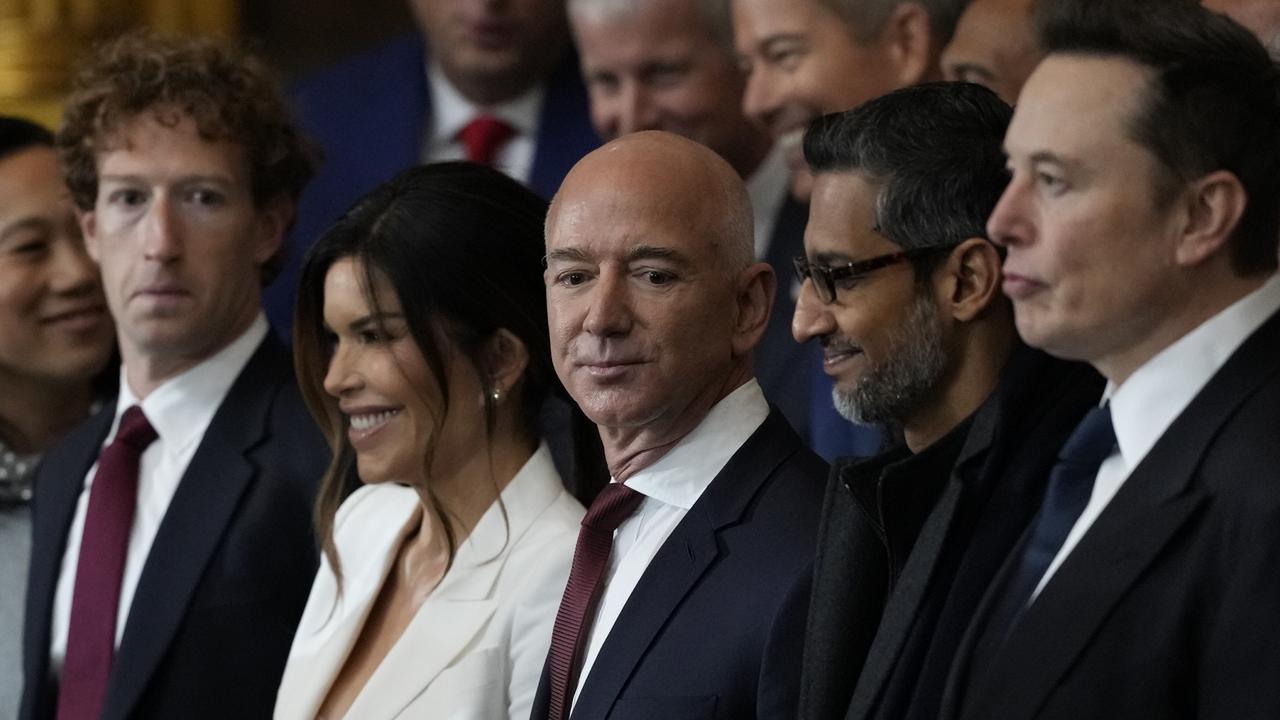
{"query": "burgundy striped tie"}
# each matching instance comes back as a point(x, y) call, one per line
point(91, 637)
point(590, 560)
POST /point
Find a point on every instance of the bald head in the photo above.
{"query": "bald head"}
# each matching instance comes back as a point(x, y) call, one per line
point(671, 176)
point(994, 45)
point(653, 298)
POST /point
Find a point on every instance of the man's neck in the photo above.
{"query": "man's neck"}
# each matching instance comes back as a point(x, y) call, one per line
point(974, 372)
point(627, 451)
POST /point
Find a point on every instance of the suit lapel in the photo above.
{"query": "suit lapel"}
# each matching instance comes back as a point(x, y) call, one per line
point(1157, 499)
point(59, 484)
point(193, 526)
point(460, 608)
point(681, 561)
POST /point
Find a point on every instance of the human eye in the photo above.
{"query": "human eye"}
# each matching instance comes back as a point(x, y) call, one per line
point(657, 278)
point(845, 278)
point(206, 197)
point(126, 197)
point(1051, 183)
point(786, 56)
point(571, 278)
point(666, 74)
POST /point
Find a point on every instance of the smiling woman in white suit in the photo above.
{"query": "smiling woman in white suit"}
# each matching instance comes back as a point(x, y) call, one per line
point(421, 346)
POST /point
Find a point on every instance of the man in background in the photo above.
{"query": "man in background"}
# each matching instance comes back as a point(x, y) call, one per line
point(994, 45)
point(173, 550)
point(495, 83)
point(56, 342)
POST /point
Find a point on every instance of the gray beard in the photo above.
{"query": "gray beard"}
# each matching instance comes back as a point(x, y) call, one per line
point(890, 392)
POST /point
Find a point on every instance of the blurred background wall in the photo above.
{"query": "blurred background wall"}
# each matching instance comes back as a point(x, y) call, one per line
point(40, 40)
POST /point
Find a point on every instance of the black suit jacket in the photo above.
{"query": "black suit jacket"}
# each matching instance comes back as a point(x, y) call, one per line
point(227, 577)
point(712, 630)
point(1169, 607)
point(892, 600)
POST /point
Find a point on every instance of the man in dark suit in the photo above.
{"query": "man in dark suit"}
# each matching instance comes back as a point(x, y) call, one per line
point(173, 550)
point(418, 98)
point(1141, 229)
point(902, 291)
point(685, 599)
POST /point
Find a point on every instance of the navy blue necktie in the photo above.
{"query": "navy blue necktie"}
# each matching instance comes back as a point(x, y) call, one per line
point(1070, 486)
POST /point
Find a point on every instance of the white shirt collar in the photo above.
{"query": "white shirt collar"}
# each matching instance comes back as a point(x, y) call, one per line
point(1148, 402)
point(680, 477)
point(451, 111)
point(182, 407)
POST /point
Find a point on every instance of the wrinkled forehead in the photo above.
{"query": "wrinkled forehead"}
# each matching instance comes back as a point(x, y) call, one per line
point(602, 225)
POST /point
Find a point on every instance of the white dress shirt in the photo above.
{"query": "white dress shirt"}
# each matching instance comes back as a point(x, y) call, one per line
point(450, 112)
point(768, 187)
point(671, 486)
point(1147, 403)
point(180, 410)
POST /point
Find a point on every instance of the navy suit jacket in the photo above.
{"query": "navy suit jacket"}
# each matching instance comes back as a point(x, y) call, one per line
point(714, 627)
point(1169, 606)
point(229, 572)
point(368, 115)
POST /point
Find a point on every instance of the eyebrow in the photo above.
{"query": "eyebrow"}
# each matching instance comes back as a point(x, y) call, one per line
point(651, 252)
point(773, 40)
point(184, 179)
point(374, 319)
point(32, 223)
point(830, 258)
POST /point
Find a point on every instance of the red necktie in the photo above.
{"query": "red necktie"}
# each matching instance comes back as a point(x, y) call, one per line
point(483, 136)
point(590, 559)
point(96, 599)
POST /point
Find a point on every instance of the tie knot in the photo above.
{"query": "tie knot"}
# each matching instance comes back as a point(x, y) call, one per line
point(1093, 439)
point(135, 431)
point(483, 136)
point(614, 504)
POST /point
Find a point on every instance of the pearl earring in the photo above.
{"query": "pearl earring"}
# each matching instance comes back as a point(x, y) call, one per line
point(497, 395)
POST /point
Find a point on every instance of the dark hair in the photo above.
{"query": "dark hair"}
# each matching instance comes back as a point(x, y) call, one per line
point(866, 18)
point(934, 152)
point(1213, 101)
point(17, 134)
point(229, 93)
point(461, 245)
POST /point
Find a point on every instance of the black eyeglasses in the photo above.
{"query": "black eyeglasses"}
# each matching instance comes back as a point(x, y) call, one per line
point(827, 277)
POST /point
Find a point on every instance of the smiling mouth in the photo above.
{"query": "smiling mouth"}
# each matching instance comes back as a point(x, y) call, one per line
point(367, 422)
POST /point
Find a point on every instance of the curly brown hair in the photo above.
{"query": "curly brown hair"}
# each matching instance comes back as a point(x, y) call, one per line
point(228, 91)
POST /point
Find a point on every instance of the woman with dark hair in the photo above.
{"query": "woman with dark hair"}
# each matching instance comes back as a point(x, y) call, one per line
point(421, 345)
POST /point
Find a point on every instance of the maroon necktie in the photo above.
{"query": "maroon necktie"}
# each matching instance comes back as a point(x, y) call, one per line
point(483, 136)
point(590, 559)
point(96, 599)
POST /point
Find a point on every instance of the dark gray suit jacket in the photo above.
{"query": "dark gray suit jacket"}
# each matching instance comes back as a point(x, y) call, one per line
point(230, 569)
point(1169, 607)
point(713, 628)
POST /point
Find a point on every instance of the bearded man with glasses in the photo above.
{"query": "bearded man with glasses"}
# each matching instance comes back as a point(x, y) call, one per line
point(902, 288)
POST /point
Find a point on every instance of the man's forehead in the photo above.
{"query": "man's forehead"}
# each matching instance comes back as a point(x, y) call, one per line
point(1074, 101)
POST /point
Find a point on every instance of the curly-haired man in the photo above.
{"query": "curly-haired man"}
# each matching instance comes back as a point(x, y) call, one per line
point(172, 551)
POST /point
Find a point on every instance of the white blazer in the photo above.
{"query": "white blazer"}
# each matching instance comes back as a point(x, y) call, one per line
point(475, 649)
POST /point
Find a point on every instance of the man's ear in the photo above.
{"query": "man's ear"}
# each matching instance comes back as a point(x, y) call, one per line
point(970, 279)
point(1214, 205)
point(88, 221)
point(505, 357)
point(754, 300)
point(273, 222)
point(908, 36)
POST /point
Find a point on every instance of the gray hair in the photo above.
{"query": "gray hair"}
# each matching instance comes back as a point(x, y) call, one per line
point(715, 14)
